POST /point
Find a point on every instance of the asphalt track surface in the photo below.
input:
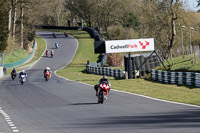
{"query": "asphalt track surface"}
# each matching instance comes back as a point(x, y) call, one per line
point(63, 106)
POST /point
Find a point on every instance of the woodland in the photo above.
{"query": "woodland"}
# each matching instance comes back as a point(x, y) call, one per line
point(116, 19)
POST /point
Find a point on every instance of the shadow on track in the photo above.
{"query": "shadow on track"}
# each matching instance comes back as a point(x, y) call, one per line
point(84, 103)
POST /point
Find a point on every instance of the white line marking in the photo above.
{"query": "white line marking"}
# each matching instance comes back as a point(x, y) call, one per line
point(8, 118)
point(15, 131)
point(13, 127)
point(10, 122)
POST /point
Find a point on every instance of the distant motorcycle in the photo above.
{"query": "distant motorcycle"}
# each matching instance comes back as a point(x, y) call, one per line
point(54, 35)
point(103, 92)
point(13, 76)
point(56, 45)
point(47, 76)
point(46, 53)
point(52, 54)
point(66, 35)
point(22, 79)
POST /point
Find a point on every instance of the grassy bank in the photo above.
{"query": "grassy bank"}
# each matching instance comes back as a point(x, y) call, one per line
point(182, 64)
point(16, 55)
point(41, 46)
point(76, 71)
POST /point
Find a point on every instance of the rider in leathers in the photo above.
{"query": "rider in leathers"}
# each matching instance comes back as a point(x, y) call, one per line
point(104, 78)
point(47, 69)
point(22, 73)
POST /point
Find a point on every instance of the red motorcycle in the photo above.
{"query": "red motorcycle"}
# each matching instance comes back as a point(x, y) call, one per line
point(47, 53)
point(103, 92)
point(47, 75)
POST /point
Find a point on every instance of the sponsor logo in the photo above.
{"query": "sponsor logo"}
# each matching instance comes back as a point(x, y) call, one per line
point(128, 46)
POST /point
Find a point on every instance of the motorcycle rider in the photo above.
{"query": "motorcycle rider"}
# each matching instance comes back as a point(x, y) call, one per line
point(22, 73)
point(52, 53)
point(104, 78)
point(13, 73)
point(56, 45)
point(47, 69)
point(47, 52)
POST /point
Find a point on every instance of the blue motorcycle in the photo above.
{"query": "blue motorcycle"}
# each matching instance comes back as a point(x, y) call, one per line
point(56, 45)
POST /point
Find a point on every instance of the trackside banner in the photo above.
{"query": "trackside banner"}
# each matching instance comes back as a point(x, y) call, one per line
point(134, 45)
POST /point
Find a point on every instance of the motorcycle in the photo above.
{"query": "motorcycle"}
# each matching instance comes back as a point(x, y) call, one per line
point(66, 35)
point(56, 45)
point(13, 76)
point(47, 76)
point(22, 79)
point(52, 54)
point(47, 53)
point(54, 35)
point(103, 92)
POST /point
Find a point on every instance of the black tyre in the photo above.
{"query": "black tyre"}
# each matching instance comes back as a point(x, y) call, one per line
point(102, 97)
point(46, 78)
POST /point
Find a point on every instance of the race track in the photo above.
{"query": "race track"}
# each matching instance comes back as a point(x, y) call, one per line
point(62, 106)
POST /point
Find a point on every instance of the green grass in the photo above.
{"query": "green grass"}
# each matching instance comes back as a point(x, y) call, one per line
point(85, 52)
point(16, 55)
point(41, 46)
point(182, 64)
point(76, 71)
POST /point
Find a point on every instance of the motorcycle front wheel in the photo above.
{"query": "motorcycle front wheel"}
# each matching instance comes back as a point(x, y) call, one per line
point(101, 97)
point(46, 78)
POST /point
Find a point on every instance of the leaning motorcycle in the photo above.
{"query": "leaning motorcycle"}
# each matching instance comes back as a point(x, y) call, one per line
point(47, 76)
point(22, 79)
point(103, 92)
point(13, 76)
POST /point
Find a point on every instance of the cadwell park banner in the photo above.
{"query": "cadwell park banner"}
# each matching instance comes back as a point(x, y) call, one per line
point(134, 45)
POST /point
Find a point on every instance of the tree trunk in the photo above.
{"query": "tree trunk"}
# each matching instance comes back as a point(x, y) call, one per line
point(22, 25)
point(173, 25)
point(10, 22)
point(14, 19)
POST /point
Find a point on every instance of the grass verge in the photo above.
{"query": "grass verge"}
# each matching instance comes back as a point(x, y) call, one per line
point(41, 46)
point(16, 55)
point(182, 64)
point(76, 71)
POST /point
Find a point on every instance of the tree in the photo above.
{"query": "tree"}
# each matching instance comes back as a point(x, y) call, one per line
point(4, 13)
point(83, 9)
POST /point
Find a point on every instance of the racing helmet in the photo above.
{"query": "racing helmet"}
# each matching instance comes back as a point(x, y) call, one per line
point(105, 78)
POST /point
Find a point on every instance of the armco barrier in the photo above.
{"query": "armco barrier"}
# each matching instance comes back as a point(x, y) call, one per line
point(180, 78)
point(117, 73)
point(20, 62)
